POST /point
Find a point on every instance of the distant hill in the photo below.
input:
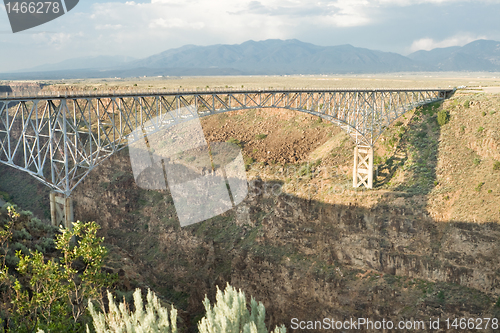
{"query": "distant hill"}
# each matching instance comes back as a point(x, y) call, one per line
point(480, 55)
point(276, 56)
point(273, 57)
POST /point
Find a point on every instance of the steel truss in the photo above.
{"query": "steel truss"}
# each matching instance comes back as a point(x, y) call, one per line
point(60, 139)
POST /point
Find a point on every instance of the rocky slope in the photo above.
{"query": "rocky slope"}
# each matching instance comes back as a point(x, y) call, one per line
point(303, 259)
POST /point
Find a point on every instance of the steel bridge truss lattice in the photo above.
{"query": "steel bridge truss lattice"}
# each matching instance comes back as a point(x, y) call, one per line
point(60, 139)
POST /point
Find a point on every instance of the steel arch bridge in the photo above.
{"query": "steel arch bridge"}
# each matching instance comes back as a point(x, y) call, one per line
point(59, 138)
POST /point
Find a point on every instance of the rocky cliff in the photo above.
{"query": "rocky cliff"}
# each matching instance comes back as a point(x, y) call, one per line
point(302, 258)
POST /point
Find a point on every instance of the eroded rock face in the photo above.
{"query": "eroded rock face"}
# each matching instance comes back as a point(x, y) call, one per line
point(391, 241)
point(20, 87)
point(302, 259)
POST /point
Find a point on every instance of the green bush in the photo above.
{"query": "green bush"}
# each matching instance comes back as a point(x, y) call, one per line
point(467, 104)
point(21, 234)
point(496, 166)
point(443, 117)
point(5, 196)
point(248, 162)
point(49, 293)
point(262, 136)
point(476, 161)
point(235, 141)
point(441, 296)
point(480, 129)
point(230, 314)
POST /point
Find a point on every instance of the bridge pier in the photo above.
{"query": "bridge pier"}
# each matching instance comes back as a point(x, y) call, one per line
point(61, 211)
point(363, 167)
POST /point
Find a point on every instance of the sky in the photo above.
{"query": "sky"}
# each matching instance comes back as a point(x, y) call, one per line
point(142, 28)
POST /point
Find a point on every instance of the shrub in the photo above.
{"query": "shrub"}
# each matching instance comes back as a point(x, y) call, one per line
point(484, 113)
point(47, 293)
point(248, 162)
point(443, 117)
point(479, 186)
point(5, 196)
point(496, 166)
point(262, 136)
point(467, 104)
point(230, 314)
point(235, 141)
point(399, 123)
point(480, 129)
point(306, 170)
point(441, 296)
point(476, 161)
point(154, 318)
point(21, 234)
point(47, 244)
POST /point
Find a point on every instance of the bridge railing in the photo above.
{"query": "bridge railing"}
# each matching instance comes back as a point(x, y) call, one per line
point(141, 92)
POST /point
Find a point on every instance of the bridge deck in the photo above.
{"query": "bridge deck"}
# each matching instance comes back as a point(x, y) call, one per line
point(43, 95)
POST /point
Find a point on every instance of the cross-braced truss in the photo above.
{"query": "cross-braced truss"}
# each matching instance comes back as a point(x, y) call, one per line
point(60, 139)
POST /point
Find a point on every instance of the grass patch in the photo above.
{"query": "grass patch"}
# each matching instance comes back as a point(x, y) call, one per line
point(248, 162)
point(236, 142)
point(261, 136)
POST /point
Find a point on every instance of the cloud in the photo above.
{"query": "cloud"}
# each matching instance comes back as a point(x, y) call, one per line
point(175, 23)
point(428, 44)
point(108, 26)
point(56, 40)
point(141, 28)
point(435, 2)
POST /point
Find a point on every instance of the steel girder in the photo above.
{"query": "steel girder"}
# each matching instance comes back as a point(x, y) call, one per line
point(60, 139)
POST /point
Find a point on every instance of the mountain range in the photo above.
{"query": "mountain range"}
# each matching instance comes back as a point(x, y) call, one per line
point(272, 57)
